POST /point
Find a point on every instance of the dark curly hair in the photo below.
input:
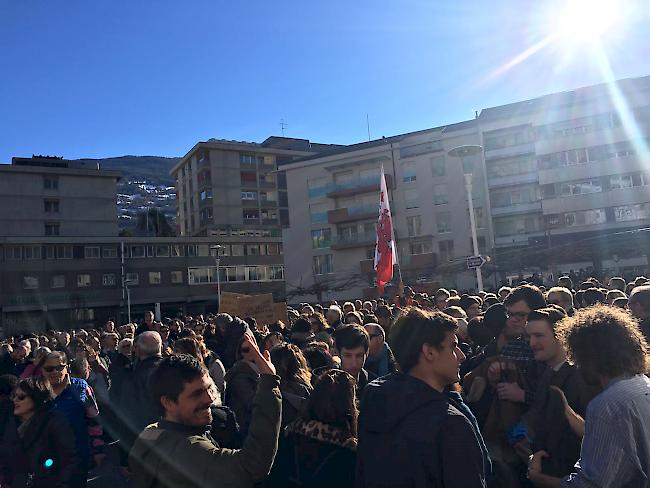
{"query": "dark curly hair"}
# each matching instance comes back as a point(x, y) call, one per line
point(334, 401)
point(39, 391)
point(605, 341)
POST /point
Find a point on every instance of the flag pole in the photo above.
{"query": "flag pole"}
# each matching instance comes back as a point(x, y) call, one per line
point(399, 266)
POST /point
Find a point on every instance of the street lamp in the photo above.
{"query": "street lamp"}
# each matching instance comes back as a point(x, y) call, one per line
point(464, 152)
point(217, 261)
point(127, 283)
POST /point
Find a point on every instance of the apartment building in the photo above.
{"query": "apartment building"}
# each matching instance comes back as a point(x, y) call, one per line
point(333, 209)
point(63, 282)
point(568, 179)
point(50, 196)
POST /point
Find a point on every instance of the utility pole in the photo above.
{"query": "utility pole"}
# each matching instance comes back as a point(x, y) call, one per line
point(283, 126)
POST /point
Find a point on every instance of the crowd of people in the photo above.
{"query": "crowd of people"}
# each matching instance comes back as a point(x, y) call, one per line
point(526, 386)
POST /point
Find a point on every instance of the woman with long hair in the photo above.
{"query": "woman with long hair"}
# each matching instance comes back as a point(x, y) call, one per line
point(318, 449)
point(295, 379)
point(47, 455)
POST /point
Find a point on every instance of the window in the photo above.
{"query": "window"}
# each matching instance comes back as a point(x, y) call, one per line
point(63, 252)
point(323, 264)
point(511, 166)
point(83, 280)
point(51, 182)
point(443, 222)
point(632, 212)
point(420, 247)
point(252, 249)
point(408, 172)
point(91, 252)
point(154, 278)
point(132, 279)
point(627, 181)
point(205, 194)
point(150, 251)
point(51, 206)
point(276, 272)
point(411, 198)
point(247, 159)
point(177, 250)
point(138, 251)
point(348, 232)
point(108, 280)
point(176, 277)
point(32, 252)
point(317, 215)
point(162, 251)
point(57, 281)
point(580, 187)
point(249, 195)
point(52, 229)
point(446, 249)
point(30, 282)
point(192, 250)
point(414, 225)
point(438, 167)
point(256, 273)
point(440, 196)
point(109, 252)
point(237, 249)
point(202, 276)
point(321, 238)
point(14, 253)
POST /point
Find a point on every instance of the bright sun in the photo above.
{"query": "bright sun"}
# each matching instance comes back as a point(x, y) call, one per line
point(587, 21)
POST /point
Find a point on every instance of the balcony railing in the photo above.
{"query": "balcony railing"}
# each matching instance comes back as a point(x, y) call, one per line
point(350, 214)
point(355, 240)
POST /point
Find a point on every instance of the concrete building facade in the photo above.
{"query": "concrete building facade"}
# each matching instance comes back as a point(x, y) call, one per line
point(333, 210)
point(46, 196)
point(568, 178)
point(64, 282)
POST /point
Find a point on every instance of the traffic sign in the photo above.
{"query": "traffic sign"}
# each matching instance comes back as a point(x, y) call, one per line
point(474, 262)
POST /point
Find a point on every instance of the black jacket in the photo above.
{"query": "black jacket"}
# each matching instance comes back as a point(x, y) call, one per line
point(411, 436)
point(47, 453)
point(314, 455)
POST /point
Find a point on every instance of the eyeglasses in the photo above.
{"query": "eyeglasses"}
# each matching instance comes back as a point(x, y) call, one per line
point(519, 315)
point(59, 367)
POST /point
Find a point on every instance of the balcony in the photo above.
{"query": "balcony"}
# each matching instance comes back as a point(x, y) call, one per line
point(418, 261)
point(513, 150)
point(354, 187)
point(268, 203)
point(351, 214)
point(247, 203)
point(511, 180)
point(268, 184)
point(356, 240)
point(270, 221)
point(515, 209)
point(591, 169)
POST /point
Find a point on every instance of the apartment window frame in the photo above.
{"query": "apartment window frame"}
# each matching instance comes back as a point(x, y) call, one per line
point(155, 278)
point(30, 282)
point(52, 229)
point(109, 279)
point(414, 225)
point(109, 252)
point(92, 252)
point(50, 182)
point(57, 281)
point(51, 206)
point(176, 277)
point(132, 278)
point(84, 280)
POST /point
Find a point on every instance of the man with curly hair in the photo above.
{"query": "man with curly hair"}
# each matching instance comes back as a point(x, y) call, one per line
point(611, 352)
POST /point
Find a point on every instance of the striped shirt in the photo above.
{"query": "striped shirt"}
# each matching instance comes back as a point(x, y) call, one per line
point(616, 446)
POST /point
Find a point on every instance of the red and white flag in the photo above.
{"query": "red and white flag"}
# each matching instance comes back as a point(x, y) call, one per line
point(385, 252)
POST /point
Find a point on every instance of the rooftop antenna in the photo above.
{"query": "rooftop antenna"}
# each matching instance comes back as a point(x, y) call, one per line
point(283, 126)
point(368, 126)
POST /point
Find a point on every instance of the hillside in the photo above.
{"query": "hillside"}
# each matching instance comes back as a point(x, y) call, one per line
point(145, 183)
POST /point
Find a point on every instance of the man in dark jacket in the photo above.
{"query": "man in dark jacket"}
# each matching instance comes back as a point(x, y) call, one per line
point(380, 360)
point(551, 431)
point(179, 452)
point(409, 433)
point(137, 403)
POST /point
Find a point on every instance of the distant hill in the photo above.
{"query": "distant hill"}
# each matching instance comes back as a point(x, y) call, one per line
point(154, 169)
point(145, 184)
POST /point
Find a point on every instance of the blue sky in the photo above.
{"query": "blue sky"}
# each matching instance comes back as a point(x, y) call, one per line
point(108, 78)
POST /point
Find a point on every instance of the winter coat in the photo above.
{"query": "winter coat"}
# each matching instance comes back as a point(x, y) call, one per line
point(315, 455)
point(242, 382)
point(169, 455)
point(48, 455)
point(294, 397)
point(382, 363)
point(411, 436)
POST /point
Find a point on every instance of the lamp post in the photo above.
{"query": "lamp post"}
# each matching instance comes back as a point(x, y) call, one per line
point(464, 152)
point(217, 261)
point(127, 284)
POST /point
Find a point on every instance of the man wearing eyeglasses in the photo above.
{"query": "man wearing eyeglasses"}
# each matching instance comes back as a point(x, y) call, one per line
point(73, 398)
